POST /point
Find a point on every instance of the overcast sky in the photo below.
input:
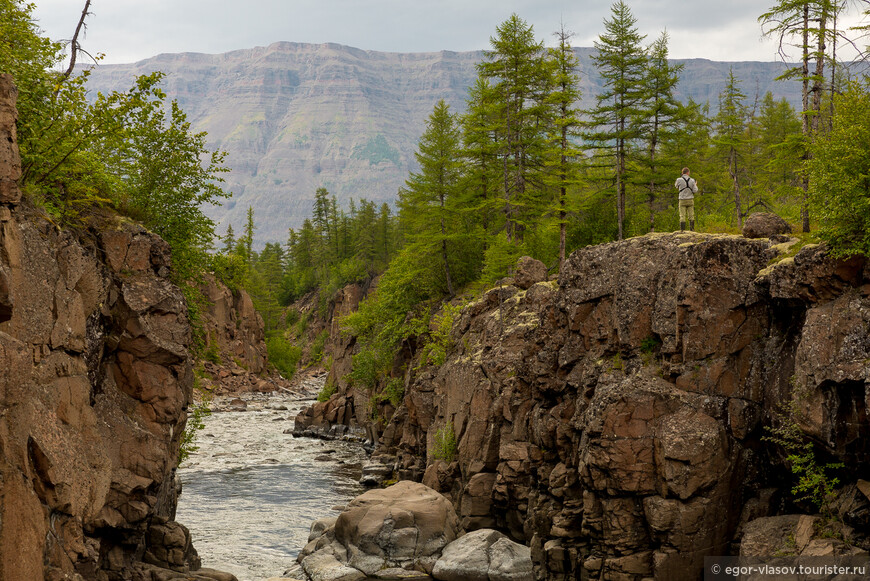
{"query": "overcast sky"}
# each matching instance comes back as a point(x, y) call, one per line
point(131, 30)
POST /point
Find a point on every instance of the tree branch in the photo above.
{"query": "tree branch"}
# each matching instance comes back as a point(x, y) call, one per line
point(74, 45)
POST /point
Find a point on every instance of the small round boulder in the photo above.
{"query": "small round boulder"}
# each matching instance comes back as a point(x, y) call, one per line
point(529, 272)
point(764, 225)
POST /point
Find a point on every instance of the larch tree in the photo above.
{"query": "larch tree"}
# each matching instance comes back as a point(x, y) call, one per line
point(658, 122)
point(730, 140)
point(621, 61)
point(480, 150)
point(428, 203)
point(810, 24)
point(563, 152)
point(520, 77)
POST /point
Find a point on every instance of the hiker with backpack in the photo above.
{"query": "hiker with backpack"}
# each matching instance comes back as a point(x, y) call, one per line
point(688, 187)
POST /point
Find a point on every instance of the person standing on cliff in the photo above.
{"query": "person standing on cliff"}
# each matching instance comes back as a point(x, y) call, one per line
point(688, 187)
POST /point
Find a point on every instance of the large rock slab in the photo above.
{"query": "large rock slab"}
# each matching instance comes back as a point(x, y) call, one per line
point(484, 555)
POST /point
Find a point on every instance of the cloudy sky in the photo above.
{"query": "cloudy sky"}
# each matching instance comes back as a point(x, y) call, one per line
point(131, 30)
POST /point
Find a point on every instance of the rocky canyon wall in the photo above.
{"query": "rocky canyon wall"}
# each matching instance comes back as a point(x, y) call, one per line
point(95, 380)
point(615, 420)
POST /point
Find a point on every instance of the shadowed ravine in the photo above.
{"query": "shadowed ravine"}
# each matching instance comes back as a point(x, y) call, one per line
point(251, 492)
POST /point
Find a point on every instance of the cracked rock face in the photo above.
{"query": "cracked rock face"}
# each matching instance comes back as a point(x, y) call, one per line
point(95, 379)
point(613, 421)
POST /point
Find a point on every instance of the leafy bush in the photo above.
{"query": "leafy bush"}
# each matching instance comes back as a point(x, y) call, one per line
point(195, 423)
point(439, 344)
point(327, 391)
point(317, 346)
point(230, 269)
point(444, 447)
point(283, 355)
point(365, 369)
point(394, 392)
point(814, 483)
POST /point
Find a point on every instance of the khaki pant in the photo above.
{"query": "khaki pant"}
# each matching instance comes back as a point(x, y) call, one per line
point(687, 209)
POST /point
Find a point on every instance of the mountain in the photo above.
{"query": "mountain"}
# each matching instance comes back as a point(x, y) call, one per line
point(294, 117)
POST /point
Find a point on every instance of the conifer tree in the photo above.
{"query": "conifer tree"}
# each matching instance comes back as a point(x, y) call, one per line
point(658, 122)
point(730, 141)
point(480, 154)
point(518, 68)
point(562, 153)
point(812, 25)
point(621, 62)
point(229, 240)
point(247, 239)
point(429, 200)
point(780, 147)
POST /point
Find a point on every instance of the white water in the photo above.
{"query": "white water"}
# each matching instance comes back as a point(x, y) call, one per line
point(251, 492)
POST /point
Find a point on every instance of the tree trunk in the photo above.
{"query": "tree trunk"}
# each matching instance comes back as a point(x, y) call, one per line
point(732, 169)
point(444, 255)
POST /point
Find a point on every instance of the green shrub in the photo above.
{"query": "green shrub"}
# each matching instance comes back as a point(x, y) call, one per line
point(439, 344)
point(365, 369)
point(444, 446)
point(327, 391)
point(317, 346)
point(283, 355)
point(814, 482)
point(212, 351)
point(650, 344)
point(394, 392)
point(839, 169)
point(195, 423)
point(230, 269)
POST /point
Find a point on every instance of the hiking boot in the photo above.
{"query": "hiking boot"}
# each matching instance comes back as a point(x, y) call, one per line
point(692, 225)
point(682, 226)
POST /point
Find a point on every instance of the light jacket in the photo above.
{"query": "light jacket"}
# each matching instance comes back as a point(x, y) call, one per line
point(688, 188)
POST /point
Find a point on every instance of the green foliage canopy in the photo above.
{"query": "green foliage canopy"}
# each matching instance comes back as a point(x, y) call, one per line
point(840, 175)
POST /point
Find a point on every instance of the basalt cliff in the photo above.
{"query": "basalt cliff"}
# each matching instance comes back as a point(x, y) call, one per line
point(618, 420)
point(95, 380)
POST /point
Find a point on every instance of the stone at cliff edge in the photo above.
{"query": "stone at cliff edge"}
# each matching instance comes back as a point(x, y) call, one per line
point(764, 225)
point(529, 272)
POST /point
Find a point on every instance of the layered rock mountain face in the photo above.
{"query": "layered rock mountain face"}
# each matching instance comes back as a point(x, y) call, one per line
point(95, 379)
point(614, 420)
point(295, 117)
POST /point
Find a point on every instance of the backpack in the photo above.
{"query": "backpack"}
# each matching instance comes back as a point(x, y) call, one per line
point(688, 187)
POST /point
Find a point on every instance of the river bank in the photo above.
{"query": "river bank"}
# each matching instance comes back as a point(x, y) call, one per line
point(252, 490)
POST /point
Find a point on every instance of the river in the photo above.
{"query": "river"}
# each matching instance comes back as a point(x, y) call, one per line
point(251, 491)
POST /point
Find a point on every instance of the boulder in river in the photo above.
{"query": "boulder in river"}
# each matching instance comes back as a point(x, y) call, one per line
point(405, 526)
point(484, 555)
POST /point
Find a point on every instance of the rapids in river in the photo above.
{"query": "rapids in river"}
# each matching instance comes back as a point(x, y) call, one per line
point(251, 491)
